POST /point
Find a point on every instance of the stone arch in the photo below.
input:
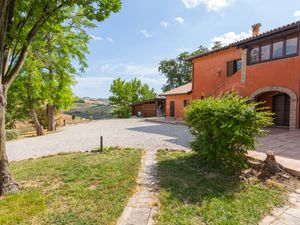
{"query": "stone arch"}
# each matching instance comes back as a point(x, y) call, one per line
point(293, 101)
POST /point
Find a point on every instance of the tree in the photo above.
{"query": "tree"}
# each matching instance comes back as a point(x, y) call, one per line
point(49, 69)
point(178, 71)
point(57, 53)
point(217, 45)
point(126, 93)
point(15, 103)
point(201, 49)
point(20, 23)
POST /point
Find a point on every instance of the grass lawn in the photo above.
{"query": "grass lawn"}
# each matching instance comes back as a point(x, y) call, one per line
point(191, 193)
point(81, 188)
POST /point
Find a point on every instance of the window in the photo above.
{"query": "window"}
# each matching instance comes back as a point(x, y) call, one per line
point(254, 55)
point(265, 52)
point(291, 46)
point(185, 103)
point(275, 49)
point(278, 49)
point(237, 65)
point(233, 66)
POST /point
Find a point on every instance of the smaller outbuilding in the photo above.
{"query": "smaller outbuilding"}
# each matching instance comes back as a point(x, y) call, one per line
point(177, 99)
point(149, 108)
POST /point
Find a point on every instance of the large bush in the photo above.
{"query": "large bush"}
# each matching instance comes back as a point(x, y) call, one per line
point(225, 128)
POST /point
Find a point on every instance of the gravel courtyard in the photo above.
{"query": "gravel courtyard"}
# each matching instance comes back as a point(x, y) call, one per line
point(84, 137)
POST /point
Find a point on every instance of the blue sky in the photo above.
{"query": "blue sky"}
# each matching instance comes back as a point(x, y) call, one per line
point(132, 42)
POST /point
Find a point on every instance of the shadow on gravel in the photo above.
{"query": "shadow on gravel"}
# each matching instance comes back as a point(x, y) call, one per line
point(178, 134)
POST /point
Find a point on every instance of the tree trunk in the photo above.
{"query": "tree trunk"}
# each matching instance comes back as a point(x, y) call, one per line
point(7, 183)
point(38, 127)
point(51, 117)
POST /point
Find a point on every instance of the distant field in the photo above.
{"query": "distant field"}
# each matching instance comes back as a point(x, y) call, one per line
point(88, 110)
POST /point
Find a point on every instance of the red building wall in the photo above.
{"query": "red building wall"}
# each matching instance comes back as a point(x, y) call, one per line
point(179, 104)
point(210, 75)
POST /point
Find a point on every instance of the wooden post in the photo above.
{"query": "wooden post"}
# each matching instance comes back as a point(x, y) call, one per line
point(101, 141)
point(101, 144)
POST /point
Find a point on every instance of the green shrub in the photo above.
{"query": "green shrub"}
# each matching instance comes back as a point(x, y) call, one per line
point(225, 128)
point(12, 134)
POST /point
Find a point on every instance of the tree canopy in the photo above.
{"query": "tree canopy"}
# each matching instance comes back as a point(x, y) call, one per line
point(21, 25)
point(217, 45)
point(178, 71)
point(126, 93)
point(49, 73)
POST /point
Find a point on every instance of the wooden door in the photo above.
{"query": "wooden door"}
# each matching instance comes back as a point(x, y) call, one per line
point(172, 109)
point(281, 109)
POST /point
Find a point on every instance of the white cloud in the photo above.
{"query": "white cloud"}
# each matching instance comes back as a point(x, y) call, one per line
point(105, 68)
point(96, 38)
point(211, 5)
point(140, 69)
point(110, 39)
point(125, 68)
point(146, 34)
point(183, 49)
point(297, 14)
point(164, 24)
point(153, 81)
point(179, 19)
point(93, 86)
point(230, 37)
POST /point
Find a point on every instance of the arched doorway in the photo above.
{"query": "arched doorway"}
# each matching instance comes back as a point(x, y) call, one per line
point(172, 109)
point(281, 101)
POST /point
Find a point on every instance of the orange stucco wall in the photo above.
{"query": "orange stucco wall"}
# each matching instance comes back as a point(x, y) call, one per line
point(210, 77)
point(179, 104)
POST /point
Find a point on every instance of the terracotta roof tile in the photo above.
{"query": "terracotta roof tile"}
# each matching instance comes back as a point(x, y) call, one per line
point(184, 89)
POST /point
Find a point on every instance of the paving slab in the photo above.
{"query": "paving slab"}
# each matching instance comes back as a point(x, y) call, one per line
point(286, 215)
point(142, 206)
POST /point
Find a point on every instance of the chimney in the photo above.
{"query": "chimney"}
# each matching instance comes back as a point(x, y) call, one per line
point(256, 29)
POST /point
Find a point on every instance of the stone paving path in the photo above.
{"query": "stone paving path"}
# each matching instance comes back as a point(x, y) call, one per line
point(142, 206)
point(287, 215)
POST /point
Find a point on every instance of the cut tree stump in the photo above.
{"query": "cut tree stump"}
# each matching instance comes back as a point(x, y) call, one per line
point(271, 166)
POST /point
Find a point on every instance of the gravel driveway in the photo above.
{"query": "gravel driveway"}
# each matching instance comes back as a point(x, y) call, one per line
point(84, 137)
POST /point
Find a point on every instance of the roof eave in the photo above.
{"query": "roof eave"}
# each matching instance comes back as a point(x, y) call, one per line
point(183, 93)
point(294, 26)
point(148, 101)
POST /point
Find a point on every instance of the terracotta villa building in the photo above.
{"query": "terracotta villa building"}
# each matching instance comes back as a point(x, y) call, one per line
point(264, 67)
